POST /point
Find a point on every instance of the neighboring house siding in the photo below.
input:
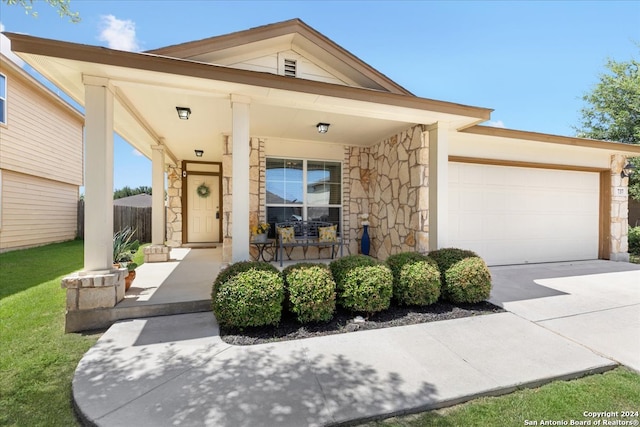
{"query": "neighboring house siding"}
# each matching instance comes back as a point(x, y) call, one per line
point(36, 211)
point(42, 136)
point(41, 163)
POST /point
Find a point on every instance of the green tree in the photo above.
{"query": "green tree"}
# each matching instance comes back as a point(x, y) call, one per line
point(61, 5)
point(612, 110)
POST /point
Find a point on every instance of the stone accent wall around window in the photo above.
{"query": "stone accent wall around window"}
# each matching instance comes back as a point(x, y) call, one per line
point(389, 181)
point(257, 189)
point(174, 207)
point(619, 212)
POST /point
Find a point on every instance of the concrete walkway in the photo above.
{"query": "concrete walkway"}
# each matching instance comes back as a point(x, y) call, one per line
point(175, 370)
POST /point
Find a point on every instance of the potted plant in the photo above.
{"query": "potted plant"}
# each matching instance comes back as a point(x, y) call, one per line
point(259, 232)
point(124, 247)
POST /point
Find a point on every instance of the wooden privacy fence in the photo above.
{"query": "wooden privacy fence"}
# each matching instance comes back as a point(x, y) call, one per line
point(124, 216)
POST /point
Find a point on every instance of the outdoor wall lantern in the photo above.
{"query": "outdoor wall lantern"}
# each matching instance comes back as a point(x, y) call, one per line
point(627, 170)
point(183, 112)
point(199, 153)
point(323, 127)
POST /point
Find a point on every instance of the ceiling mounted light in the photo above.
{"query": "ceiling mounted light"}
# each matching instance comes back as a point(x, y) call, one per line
point(199, 153)
point(323, 127)
point(183, 112)
point(627, 170)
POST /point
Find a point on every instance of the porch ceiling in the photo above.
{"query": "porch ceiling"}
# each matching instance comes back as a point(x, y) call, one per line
point(148, 88)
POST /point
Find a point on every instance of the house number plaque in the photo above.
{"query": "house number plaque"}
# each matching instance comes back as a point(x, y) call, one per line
point(621, 191)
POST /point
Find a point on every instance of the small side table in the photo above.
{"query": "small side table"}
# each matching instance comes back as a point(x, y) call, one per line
point(264, 247)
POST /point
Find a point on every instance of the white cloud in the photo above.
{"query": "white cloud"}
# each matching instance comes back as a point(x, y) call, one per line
point(496, 124)
point(136, 153)
point(119, 34)
point(5, 48)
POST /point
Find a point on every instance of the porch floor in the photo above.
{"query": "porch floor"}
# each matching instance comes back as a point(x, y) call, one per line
point(188, 276)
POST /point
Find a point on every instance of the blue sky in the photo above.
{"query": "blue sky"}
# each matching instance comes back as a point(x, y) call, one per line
point(529, 61)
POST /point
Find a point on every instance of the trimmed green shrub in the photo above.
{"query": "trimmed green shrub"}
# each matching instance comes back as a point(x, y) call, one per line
point(445, 258)
point(418, 284)
point(366, 288)
point(341, 266)
point(239, 267)
point(634, 240)
point(311, 292)
point(248, 294)
point(416, 278)
point(397, 261)
point(468, 281)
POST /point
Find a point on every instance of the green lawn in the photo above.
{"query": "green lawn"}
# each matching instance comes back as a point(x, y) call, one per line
point(37, 359)
point(616, 390)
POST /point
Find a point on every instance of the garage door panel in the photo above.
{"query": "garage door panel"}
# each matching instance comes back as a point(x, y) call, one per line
point(513, 215)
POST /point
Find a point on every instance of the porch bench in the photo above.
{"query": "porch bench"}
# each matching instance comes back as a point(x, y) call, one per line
point(305, 234)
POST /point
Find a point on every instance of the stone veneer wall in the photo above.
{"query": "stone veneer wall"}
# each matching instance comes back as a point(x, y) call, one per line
point(389, 181)
point(174, 209)
point(619, 244)
point(257, 188)
point(227, 205)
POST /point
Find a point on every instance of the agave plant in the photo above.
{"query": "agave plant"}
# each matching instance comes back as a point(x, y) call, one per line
point(124, 246)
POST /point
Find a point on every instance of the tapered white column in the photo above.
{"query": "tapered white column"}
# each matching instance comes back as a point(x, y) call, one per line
point(98, 233)
point(157, 195)
point(438, 185)
point(240, 164)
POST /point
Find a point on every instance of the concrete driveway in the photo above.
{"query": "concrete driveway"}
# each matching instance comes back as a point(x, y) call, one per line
point(593, 303)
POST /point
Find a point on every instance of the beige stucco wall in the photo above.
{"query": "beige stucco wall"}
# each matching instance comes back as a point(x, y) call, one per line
point(490, 147)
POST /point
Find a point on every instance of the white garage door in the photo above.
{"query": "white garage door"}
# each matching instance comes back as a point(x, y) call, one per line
point(515, 215)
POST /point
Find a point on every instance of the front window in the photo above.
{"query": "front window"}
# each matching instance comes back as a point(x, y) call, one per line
point(3, 99)
point(300, 189)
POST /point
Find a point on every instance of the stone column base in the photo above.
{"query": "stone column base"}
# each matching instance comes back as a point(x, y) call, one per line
point(619, 257)
point(94, 289)
point(157, 253)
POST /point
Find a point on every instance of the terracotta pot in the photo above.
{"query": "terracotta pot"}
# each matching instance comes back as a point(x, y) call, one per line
point(129, 280)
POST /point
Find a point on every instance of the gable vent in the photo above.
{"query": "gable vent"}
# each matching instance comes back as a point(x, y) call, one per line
point(290, 67)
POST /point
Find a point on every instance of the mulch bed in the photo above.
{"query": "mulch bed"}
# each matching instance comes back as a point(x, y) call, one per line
point(343, 322)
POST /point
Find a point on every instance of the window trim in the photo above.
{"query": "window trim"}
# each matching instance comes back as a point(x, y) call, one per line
point(6, 95)
point(304, 206)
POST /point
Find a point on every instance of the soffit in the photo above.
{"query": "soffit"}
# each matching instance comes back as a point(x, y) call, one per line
point(281, 107)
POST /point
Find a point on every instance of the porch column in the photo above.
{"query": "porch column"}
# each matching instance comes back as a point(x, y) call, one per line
point(98, 234)
point(438, 183)
point(157, 252)
point(99, 285)
point(240, 166)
